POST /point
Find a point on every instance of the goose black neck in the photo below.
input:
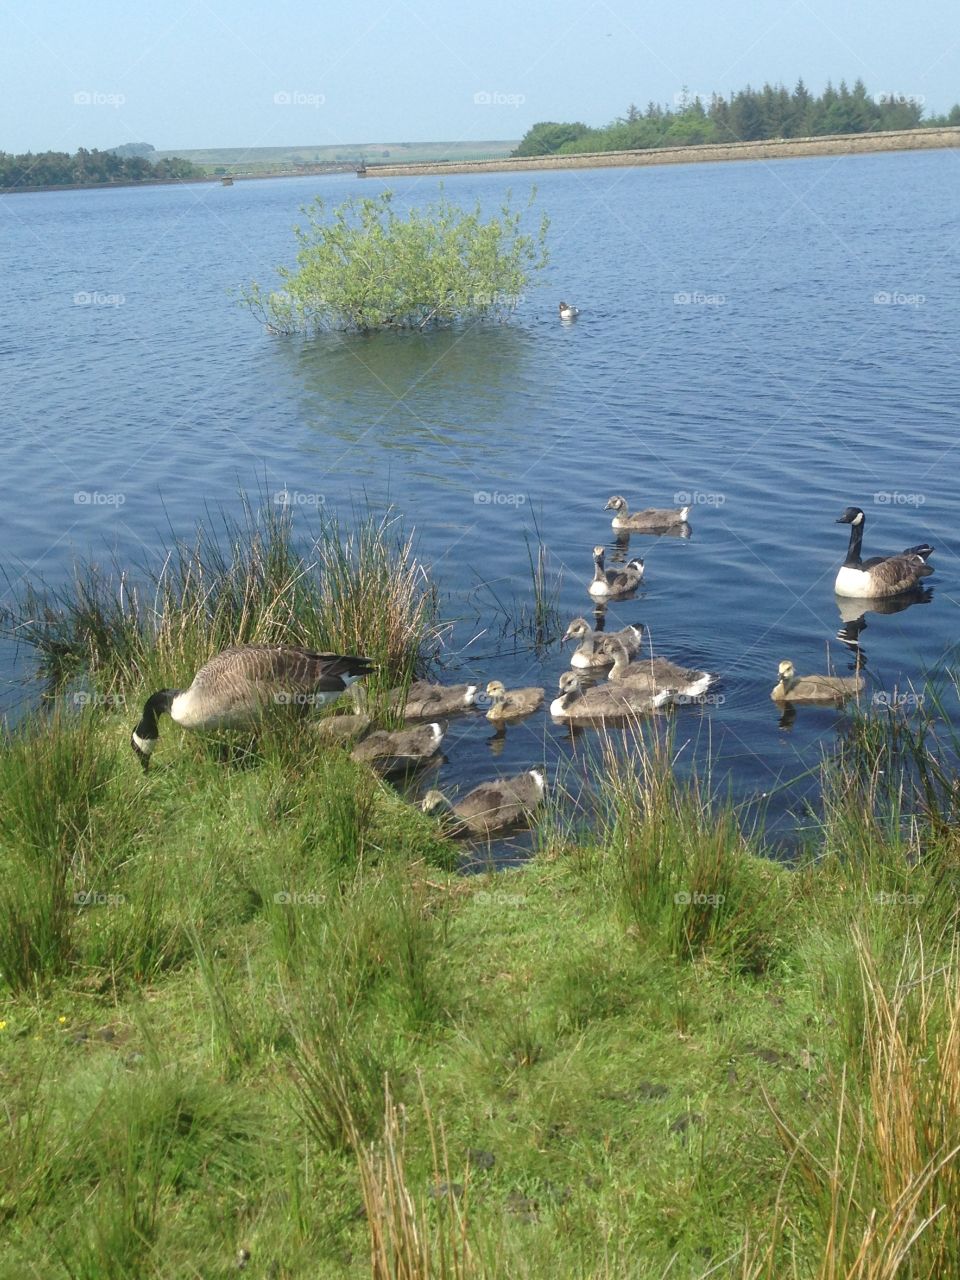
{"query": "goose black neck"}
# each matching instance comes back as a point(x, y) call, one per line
point(853, 549)
point(156, 705)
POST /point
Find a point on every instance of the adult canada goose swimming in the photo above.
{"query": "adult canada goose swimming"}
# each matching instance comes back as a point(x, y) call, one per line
point(793, 688)
point(608, 584)
point(567, 312)
point(881, 575)
point(511, 704)
point(491, 806)
point(596, 647)
point(399, 748)
point(236, 687)
point(603, 701)
point(653, 518)
point(424, 701)
point(655, 674)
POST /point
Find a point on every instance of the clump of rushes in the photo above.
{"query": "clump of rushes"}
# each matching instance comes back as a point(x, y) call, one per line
point(247, 581)
point(683, 868)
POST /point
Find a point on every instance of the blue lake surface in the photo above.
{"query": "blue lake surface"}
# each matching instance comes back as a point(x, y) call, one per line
point(735, 344)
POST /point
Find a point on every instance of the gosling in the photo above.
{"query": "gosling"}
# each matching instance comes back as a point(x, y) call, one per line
point(511, 704)
point(793, 688)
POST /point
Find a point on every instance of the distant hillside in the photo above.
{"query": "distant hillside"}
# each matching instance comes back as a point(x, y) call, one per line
point(255, 160)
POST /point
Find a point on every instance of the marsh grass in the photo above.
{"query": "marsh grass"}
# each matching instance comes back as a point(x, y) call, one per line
point(360, 589)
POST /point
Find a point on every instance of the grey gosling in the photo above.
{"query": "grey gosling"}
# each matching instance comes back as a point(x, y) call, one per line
point(512, 704)
point(424, 701)
point(237, 686)
point(492, 806)
point(653, 674)
point(603, 701)
point(652, 518)
point(607, 584)
point(596, 647)
point(793, 688)
point(392, 749)
point(882, 575)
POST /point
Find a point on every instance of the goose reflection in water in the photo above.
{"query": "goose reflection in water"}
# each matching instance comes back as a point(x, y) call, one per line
point(853, 619)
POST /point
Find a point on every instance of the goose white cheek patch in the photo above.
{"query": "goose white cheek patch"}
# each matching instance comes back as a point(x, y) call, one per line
point(145, 745)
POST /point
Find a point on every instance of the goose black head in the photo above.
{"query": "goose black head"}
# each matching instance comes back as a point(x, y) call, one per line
point(146, 734)
point(852, 515)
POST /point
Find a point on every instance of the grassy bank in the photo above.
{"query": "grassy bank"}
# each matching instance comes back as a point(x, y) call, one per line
point(253, 1019)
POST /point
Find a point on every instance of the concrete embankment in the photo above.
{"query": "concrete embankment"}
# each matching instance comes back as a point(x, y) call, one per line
point(770, 149)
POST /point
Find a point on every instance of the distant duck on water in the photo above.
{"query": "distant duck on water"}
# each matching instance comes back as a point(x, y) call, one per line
point(881, 575)
point(239, 685)
point(652, 519)
point(568, 312)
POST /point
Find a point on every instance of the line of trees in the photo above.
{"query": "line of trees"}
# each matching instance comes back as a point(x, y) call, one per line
point(58, 169)
point(770, 112)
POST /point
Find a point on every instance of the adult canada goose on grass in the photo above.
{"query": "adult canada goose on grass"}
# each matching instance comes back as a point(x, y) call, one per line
point(511, 704)
point(492, 806)
point(595, 649)
point(881, 575)
point(793, 688)
point(236, 687)
point(652, 519)
point(655, 674)
point(610, 584)
point(603, 701)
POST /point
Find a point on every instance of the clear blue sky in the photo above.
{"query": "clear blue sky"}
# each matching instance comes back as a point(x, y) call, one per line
point(195, 73)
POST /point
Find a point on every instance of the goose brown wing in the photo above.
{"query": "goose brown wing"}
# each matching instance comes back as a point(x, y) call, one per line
point(897, 573)
point(280, 667)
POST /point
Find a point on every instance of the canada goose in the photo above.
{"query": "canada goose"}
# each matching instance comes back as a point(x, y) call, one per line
point(603, 701)
point(424, 701)
point(568, 312)
point(794, 688)
point(399, 748)
point(653, 674)
point(653, 518)
point(511, 704)
point(491, 806)
point(235, 687)
point(610, 583)
point(595, 647)
point(882, 575)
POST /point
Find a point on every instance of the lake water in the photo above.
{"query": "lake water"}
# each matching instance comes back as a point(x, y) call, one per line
point(731, 346)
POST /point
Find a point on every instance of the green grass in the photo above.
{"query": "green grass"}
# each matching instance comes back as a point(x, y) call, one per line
point(263, 160)
point(247, 1007)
